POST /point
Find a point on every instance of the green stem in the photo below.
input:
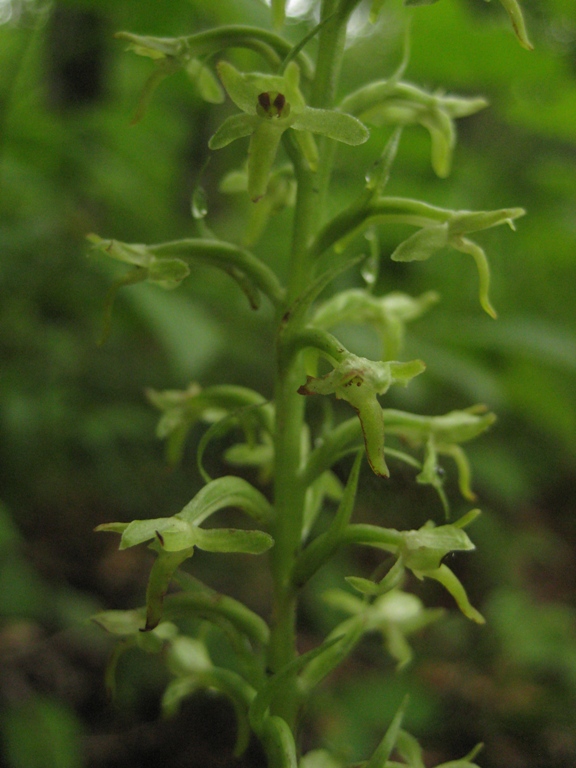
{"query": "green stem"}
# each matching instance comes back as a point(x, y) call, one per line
point(289, 490)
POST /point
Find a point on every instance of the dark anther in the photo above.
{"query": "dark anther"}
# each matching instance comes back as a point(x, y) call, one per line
point(279, 102)
point(264, 100)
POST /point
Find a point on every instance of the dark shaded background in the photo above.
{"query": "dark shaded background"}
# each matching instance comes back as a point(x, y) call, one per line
point(77, 443)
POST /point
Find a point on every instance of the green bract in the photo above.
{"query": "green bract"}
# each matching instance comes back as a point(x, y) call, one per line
point(359, 381)
point(270, 105)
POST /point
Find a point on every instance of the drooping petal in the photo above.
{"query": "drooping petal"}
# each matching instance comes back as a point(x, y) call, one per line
point(261, 155)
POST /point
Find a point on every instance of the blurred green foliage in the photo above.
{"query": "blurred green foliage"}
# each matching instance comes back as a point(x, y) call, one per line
point(77, 443)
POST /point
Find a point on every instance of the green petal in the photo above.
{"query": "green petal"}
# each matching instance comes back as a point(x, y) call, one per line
point(443, 136)
point(450, 582)
point(464, 245)
point(234, 127)
point(422, 244)
point(336, 125)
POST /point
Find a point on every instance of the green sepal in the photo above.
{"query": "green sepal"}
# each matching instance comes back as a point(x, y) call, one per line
point(120, 623)
point(244, 88)
point(234, 127)
point(391, 580)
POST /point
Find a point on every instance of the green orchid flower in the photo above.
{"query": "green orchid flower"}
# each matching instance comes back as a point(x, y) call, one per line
point(271, 104)
point(387, 314)
point(359, 381)
point(421, 551)
point(394, 614)
point(175, 538)
point(395, 102)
